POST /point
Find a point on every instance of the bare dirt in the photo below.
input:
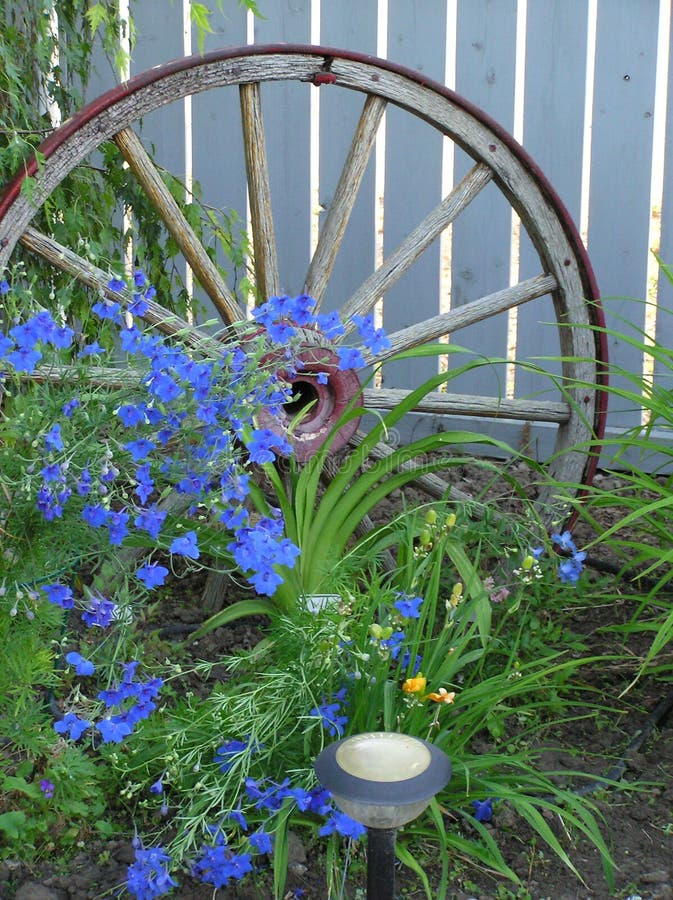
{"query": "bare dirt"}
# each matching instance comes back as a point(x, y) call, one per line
point(635, 734)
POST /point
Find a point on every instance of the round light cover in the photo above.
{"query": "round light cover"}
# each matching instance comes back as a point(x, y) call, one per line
point(383, 779)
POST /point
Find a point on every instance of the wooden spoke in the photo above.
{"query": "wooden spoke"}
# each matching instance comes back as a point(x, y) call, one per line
point(257, 169)
point(92, 276)
point(477, 311)
point(392, 268)
point(172, 216)
point(432, 484)
point(529, 410)
point(102, 376)
point(334, 227)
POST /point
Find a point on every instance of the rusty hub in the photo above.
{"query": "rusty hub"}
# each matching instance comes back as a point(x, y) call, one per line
point(321, 392)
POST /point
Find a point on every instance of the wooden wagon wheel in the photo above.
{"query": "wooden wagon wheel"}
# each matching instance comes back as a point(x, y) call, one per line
point(498, 163)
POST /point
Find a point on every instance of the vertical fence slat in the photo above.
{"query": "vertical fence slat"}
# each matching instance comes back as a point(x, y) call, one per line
point(665, 298)
point(219, 169)
point(556, 46)
point(485, 68)
point(413, 181)
point(287, 122)
point(352, 24)
point(620, 171)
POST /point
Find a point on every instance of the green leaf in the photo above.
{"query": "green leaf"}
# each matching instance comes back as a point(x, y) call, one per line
point(258, 606)
point(12, 823)
point(96, 16)
point(12, 783)
point(201, 18)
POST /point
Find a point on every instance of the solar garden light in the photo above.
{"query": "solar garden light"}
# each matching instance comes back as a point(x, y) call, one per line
point(382, 780)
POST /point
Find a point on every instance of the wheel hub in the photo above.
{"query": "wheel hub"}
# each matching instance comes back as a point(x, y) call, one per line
point(321, 393)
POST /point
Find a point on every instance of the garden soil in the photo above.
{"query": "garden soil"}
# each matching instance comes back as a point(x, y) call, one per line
point(631, 734)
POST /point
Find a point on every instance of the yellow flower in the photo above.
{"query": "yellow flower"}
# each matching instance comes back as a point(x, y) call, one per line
point(415, 685)
point(442, 696)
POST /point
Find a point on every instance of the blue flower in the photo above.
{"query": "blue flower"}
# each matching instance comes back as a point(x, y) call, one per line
point(113, 729)
point(82, 666)
point(5, 345)
point(148, 877)
point(132, 414)
point(332, 722)
point(230, 749)
point(151, 520)
point(93, 349)
point(350, 358)
point(61, 337)
point(53, 439)
point(99, 612)
point(52, 472)
point(375, 339)
point(24, 360)
point(408, 607)
point(95, 515)
point(72, 725)
point(106, 309)
point(116, 284)
point(564, 541)
point(138, 306)
point(68, 407)
point(261, 841)
point(261, 443)
point(117, 527)
point(570, 569)
point(152, 575)
point(218, 865)
point(280, 332)
point(341, 823)
point(157, 787)
point(483, 810)
point(139, 449)
point(186, 545)
point(330, 324)
point(165, 388)
point(59, 595)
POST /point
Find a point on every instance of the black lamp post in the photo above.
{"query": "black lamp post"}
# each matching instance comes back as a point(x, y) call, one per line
point(382, 780)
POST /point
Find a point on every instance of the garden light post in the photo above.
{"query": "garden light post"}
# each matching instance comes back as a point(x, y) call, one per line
point(382, 780)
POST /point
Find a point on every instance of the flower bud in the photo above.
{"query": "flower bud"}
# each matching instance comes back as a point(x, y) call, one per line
point(431, 517)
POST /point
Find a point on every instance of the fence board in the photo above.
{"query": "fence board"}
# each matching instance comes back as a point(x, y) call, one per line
point(665, 299)
point(413, 183)
point(287, 122)
point(553, 128)
point(219, 168)
point(485, 68)
point(620, 171)
point(352, 24)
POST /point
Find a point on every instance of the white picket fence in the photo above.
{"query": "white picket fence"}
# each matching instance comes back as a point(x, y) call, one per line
point(584, 85)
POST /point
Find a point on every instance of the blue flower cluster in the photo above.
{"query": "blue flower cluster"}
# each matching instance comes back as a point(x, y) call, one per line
point(218, 865)
point(122, 716)
point(570, 568)
point(330, 714)
point(148, 877)
point(210, 403)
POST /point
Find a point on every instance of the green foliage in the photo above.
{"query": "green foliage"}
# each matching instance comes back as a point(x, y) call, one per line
point(640, 457)
point(85, 211)
point(473, 689)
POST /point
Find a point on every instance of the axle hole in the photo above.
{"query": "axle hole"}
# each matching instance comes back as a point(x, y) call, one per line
point(305, 398)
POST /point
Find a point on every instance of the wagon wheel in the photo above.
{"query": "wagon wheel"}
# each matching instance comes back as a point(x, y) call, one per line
point(497, 163)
